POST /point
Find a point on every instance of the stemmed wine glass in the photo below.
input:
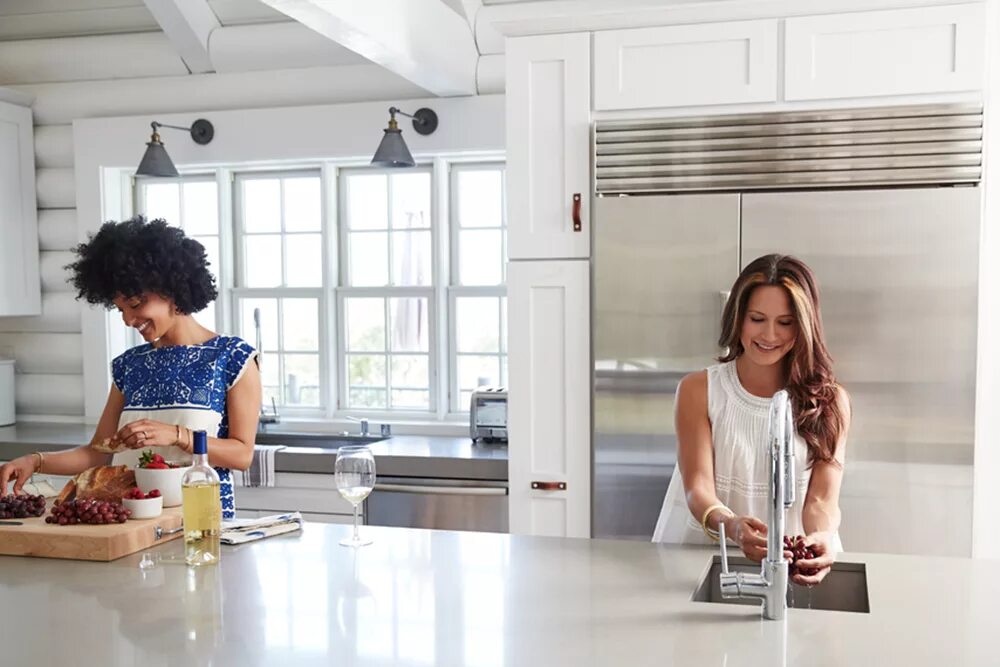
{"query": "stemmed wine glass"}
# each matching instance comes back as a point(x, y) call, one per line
point(354, 475)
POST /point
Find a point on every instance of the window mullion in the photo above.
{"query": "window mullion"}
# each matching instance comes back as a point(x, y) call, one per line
point(387, 347)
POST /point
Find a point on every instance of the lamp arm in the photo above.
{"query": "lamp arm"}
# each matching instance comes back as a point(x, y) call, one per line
point(176, 127)
point(393, 111)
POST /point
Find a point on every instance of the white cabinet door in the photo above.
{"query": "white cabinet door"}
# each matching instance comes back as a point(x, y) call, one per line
point(20, 289)
point(548, 146)
point(549, 404)
point(687, 65)
point(295, 492)
point(895, 52)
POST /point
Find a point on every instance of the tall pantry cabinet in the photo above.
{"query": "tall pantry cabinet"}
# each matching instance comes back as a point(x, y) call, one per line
point(548, 283)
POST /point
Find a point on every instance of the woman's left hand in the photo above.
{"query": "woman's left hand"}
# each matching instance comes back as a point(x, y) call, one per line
point(147, 433)
point(811, 571)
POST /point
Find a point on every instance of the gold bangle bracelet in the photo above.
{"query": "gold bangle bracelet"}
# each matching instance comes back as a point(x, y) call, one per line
point(714, 535)
point(41, 459)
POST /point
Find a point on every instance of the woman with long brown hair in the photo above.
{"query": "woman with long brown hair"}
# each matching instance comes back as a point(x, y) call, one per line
point(772, 332)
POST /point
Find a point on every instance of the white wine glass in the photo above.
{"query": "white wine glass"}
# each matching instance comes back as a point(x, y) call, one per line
point(354, 475)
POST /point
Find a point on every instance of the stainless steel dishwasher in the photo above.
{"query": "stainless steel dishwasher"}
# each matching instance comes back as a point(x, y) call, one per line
point(444, 504)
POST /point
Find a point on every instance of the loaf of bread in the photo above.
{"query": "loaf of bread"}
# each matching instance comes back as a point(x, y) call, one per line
point(104, 483)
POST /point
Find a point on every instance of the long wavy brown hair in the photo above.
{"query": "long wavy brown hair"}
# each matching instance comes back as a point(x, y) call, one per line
point(808, 366)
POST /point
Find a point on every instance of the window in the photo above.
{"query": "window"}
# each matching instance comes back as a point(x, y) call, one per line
point(478, 296)
point(191, 203)
point(279, 295)
point(366, 291)
point(387, 243)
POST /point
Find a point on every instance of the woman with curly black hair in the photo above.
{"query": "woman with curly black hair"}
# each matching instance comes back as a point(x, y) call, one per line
point(182, 379)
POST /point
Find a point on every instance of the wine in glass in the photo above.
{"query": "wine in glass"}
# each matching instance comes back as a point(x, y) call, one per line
point(354, 475)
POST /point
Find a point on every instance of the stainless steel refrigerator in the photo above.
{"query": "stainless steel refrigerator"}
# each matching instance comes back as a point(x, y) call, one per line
point(898, 274)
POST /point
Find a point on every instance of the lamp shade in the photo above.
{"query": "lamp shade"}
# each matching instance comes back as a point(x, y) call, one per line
point(156, 162)
point(392, 150)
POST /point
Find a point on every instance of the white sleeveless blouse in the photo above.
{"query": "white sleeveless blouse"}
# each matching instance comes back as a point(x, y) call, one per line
point(742, 469)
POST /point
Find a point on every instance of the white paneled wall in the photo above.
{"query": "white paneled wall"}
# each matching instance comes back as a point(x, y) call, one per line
point(53, 146)
point(47, 348)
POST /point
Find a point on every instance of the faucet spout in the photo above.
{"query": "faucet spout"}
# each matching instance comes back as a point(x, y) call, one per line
point(771, 584)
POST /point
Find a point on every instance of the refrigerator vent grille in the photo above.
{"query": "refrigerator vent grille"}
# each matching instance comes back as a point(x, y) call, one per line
point(927, 144)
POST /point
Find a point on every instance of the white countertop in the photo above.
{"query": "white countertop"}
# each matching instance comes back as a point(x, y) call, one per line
point(418, 597)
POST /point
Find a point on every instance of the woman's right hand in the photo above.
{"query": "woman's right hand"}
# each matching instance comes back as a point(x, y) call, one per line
point(18, 471)
point(750, 535)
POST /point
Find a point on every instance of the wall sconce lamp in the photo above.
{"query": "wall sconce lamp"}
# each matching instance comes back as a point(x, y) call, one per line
point(156, 162)
point(392, 151)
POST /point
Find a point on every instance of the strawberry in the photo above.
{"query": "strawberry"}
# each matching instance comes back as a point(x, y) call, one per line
point(158, 459)
point(146, 459)
point(157, 466)
point(155, 493)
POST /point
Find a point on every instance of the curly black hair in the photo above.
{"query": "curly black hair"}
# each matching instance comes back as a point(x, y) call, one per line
point(131, 257)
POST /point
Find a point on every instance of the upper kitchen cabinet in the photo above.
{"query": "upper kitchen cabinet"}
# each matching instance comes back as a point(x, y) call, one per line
point(895, 52)
point(549, 405)
point(20, 288)
point(687, 65)
point(548, 139)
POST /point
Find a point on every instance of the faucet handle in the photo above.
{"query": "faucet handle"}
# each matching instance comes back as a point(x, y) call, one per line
point(729, 582)
point(722, 547)
point(789, 498)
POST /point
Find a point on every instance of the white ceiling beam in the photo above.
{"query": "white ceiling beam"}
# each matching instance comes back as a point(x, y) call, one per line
point(188, 24)
point(423, 41)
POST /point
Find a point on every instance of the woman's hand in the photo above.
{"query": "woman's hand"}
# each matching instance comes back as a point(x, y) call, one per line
point(811, 571)
point(18, 471)
point(148, 433)
point(750, 534)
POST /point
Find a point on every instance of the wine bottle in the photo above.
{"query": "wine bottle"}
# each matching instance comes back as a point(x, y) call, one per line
point(202, 507)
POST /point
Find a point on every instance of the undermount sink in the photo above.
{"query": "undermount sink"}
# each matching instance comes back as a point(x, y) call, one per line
point(845, 588)
point(318, 440)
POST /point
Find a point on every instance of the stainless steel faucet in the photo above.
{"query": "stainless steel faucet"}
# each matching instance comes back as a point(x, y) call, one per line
point(265, 417)
point(384, 429)
point(363, 422)
point(772, 582)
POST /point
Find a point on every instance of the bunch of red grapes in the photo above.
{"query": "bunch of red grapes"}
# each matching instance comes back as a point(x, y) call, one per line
point(797, 545)
point(87, 510)
point(21, 507)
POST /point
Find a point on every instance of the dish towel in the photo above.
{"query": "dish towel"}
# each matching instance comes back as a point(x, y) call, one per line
point(261, 471)
point(240, 531)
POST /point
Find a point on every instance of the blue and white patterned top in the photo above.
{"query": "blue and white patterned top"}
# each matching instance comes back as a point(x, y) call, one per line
point(186, 385)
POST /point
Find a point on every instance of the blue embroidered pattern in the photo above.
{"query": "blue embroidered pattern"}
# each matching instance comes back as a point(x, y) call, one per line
point(191, 377)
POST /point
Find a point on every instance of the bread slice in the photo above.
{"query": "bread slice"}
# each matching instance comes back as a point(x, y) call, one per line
point(105, 483)
point(108, 446)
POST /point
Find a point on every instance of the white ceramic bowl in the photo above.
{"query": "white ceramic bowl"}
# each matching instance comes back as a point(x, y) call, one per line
point(147, 508)
point(167, 481)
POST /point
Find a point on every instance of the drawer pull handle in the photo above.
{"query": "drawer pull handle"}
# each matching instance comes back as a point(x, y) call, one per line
point(549, 486)
point(577, 225)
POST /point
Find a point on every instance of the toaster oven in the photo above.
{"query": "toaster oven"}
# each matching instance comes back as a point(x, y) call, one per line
point(488, 414)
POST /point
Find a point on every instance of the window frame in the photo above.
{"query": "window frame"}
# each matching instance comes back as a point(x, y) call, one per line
point(240, 291)
point(441, 294)
point(456, 290)
point(343, 290)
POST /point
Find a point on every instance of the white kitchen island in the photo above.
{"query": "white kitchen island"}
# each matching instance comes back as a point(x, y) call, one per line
point(418, 597)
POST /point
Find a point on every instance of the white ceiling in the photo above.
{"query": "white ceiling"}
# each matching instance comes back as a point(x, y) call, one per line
point(33, 19)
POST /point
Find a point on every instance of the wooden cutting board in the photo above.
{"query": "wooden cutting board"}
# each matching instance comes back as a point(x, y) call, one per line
point(86, 542)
